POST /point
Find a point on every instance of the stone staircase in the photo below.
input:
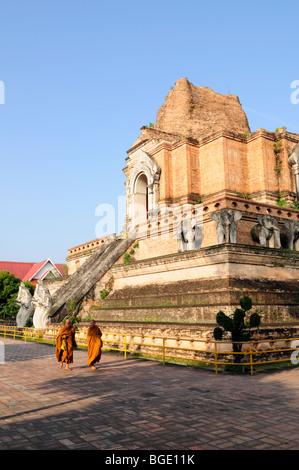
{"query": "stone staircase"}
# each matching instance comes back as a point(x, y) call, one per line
point(94, 268)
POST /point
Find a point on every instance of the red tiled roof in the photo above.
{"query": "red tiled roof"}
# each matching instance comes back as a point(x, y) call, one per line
point(44, 275)
point(18, 269)
point(61, 268)
point(26, 271)
point(36, 267)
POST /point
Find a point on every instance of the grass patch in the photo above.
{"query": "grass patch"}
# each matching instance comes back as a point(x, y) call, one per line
point(287, 364)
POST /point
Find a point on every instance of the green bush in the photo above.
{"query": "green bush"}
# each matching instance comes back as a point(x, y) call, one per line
point(223, 320)
point(218, 333)
point(281, 203)
point(254, 320)
point(9, 288)
point(104, 293)
point(29, 323)
point(72, 306)
point(246, 303)
point(127, 258)
point(237, 326)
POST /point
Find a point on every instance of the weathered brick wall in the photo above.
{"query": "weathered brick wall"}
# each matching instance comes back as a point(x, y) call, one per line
point(225, 170)
point(147, 339)
point(193, 286)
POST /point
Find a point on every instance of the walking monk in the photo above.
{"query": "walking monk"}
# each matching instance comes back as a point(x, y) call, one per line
point(94, 344)
point(65, 342)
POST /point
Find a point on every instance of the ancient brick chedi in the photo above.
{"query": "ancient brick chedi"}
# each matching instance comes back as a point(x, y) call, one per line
point(195, 112)
point(215, 211)
point(201, 147)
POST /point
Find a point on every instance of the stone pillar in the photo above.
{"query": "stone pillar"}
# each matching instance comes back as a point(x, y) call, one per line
point(150, 200)
point(155, 207)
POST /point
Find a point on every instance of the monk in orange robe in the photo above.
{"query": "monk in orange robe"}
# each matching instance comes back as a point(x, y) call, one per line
point(65, 342)
point(94, 344)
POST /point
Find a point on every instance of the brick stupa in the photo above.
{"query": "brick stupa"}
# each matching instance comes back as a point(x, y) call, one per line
point(200, 158)
point(197, 111)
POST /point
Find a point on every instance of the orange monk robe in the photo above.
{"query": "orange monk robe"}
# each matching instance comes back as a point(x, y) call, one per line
point(94, 344)
point(64, 349)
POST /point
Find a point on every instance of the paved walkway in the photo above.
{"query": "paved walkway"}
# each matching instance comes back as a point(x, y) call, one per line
point(138, 404)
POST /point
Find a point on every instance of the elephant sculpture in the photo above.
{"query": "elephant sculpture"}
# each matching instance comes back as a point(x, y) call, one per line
point(226, 225)
point(189, 235)
point(266, 230)
point(289, 235)
point(24, 301)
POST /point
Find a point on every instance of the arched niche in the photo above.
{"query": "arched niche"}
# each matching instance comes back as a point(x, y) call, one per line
point(141, 199)
point(142, 190)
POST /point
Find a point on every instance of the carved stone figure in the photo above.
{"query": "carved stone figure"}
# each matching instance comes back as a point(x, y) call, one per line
point(266, 231)
point(24, 300)
point(189, 235)
point(294, 162)
point(289, 235)
point(226, 225)
point(42, 302)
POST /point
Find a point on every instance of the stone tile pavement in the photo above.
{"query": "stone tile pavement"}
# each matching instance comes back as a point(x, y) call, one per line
point(136, 404)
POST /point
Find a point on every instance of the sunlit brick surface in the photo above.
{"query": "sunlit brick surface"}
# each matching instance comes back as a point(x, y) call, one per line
point(138, 404)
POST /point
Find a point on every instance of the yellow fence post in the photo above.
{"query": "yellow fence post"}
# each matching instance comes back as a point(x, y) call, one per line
point(251, 364)
point(38, 336)
point(216, 365)
point(125, 346)
point(5, 332)
point(25, 335)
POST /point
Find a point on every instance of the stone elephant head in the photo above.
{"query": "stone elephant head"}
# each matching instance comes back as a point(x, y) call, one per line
point(289, 235)
point(266, 230)
point(226, 225)
point(189, 235)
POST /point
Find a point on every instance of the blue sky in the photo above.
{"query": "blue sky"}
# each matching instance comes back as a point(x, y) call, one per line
point(82, 77)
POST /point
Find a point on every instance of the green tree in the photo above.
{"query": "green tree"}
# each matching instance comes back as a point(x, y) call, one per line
point(237, 325)
point(9, 287)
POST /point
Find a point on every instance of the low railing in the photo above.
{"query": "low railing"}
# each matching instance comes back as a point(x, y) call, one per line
point(210, 352)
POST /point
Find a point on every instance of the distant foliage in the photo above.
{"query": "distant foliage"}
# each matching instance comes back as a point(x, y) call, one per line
point(9, 288)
